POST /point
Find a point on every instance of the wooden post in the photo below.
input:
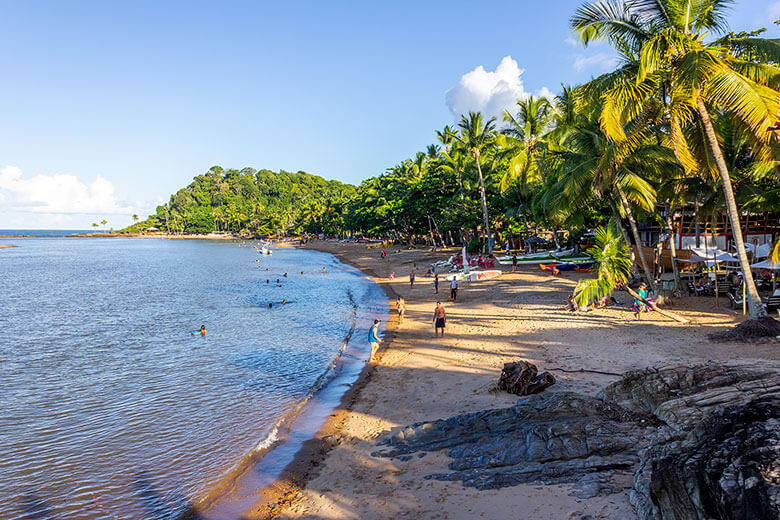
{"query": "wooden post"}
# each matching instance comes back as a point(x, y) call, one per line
point(744, 299)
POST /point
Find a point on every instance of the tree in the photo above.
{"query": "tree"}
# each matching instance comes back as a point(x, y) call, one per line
point(103, 222)
point(135, 217)
point(475, 135)
point(666, 60)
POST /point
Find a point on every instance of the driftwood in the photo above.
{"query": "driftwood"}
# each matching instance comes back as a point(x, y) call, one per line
point(523, 378)
point(699, 442)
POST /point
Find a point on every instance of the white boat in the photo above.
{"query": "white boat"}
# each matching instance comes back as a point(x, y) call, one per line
point(473, 276)
point(534, 256)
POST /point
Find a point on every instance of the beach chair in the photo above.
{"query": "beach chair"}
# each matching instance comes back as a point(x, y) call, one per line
point(772, 304)
point(735, 300)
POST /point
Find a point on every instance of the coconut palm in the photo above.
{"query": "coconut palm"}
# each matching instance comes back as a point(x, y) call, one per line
point(666, 60)
point(475, 135)
point(447, 136)
point(524, 142)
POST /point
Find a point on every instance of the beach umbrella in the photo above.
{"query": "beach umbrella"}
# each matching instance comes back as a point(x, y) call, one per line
point(766, 264)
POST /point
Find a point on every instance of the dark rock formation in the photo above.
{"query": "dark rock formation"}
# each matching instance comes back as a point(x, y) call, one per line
point(703, 442)
point(523, 378)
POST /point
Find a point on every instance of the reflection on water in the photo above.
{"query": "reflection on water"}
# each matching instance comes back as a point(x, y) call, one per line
point(111, 409)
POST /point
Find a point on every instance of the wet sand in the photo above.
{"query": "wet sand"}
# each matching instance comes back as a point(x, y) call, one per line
point(418, 377)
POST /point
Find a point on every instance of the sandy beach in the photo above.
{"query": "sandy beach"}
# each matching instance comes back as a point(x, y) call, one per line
point(418, 377)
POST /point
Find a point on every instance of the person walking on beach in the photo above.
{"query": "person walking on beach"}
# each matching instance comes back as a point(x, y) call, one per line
point(454, 289)
point(514, 263)
point(400, 306)
point(439, 320)
point(373, 339)
point(411, 279)
point(436, 283)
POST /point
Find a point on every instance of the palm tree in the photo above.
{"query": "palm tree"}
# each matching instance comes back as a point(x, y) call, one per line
point(447, 136)
point(666, 59)
point(596, 166)
point(103, 222)
point(476, 135)
point(611, 252)
point(135, 217)
point(524, 142)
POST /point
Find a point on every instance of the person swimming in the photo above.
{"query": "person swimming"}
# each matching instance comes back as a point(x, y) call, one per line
point(199, 332)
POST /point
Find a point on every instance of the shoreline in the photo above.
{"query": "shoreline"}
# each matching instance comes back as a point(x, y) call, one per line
point(270, 498)
point(416, 378)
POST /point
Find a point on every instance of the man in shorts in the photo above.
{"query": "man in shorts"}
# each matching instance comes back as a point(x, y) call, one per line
point(439, 320)
point(454, 289)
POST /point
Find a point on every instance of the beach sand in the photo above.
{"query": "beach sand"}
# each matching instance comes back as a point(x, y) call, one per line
point(418, 377)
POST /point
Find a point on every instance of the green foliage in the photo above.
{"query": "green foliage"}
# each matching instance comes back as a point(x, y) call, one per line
point(612, 255)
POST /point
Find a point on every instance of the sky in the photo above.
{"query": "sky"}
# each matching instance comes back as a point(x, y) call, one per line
point(106, 108)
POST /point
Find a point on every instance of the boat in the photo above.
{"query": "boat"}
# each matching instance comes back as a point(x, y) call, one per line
point(567, 266)
point(539, 255)
point(549, 259)
point(473, 276)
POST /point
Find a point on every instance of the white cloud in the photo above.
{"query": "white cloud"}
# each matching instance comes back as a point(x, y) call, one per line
point(601, 61)
point(571, 41)
point(489, 92)
point(57, 194)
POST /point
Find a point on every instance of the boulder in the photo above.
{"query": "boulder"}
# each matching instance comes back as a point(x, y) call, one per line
point(523, 378)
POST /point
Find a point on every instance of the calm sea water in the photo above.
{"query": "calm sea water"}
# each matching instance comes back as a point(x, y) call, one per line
point(109, 408)
point(45, 232)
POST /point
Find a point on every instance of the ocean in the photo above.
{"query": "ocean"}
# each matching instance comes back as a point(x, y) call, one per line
point(112, 409)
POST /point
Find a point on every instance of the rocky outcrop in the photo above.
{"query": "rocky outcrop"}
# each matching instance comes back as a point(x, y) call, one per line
point(523, 378)
point(702, 442)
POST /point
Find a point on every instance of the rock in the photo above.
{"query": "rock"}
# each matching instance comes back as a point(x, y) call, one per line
point(703, 442)
point(522, 378)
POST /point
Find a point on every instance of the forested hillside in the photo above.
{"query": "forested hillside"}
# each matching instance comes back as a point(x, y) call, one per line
point(256, 201)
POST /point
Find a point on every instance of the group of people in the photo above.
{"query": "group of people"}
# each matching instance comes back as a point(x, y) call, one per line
point(439, 314)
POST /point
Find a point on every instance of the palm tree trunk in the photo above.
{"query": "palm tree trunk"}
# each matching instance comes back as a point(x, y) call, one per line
point(635, 231)
point(484, 202)
point(555, 237)
point(673, 248)
point(755, 306)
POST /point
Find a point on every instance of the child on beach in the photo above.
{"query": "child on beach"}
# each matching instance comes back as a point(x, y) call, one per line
point(400, 306)
point(639, 304)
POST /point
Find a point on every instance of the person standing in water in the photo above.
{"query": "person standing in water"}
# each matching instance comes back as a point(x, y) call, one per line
point(373, 339)
point(439, 320)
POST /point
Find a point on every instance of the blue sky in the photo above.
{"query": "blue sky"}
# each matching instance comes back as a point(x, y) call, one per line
point(108, 107)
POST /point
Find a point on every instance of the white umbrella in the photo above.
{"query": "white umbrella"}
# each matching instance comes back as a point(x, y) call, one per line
point(766, 264)
point(709, 256)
